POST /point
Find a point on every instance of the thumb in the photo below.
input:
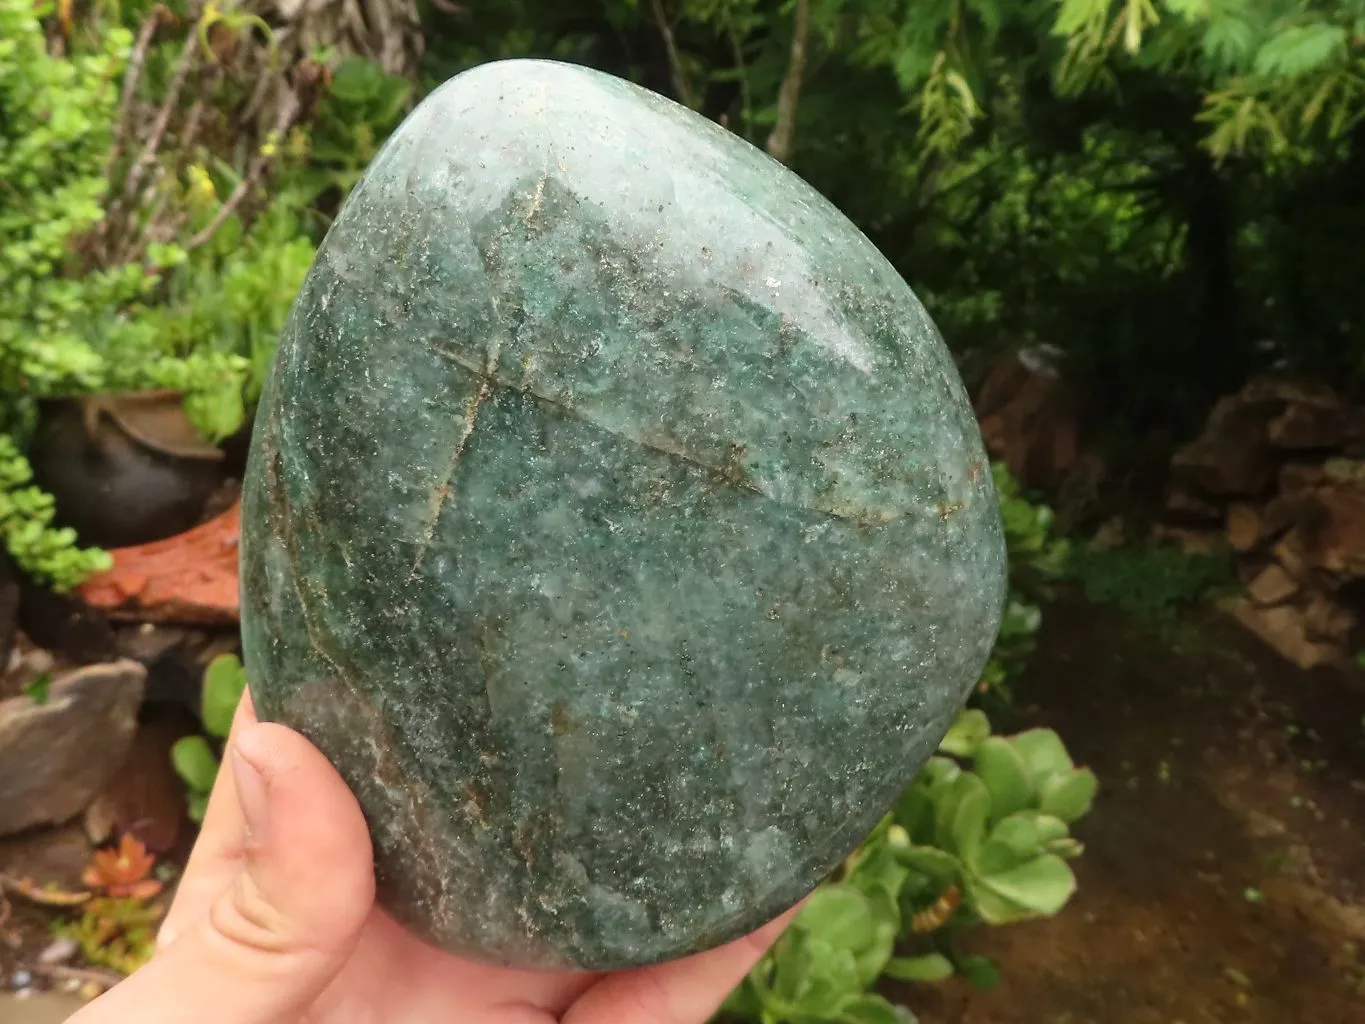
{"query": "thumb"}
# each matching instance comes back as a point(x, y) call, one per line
point(283, 926)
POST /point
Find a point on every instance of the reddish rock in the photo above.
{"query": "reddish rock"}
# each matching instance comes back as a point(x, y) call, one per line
point(1028, 418)
point(190, 578)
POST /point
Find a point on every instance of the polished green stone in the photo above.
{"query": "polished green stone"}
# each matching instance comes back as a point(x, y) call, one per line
point(616, 522)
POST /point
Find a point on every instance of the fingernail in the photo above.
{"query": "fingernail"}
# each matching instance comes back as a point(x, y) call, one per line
point(252, 796)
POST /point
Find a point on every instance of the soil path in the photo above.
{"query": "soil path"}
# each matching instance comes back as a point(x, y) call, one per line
point(1224, 875)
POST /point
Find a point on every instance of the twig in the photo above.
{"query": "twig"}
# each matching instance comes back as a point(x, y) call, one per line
point(183, 63)
point(745, 100)
point(784, 132)
point(289, 110)
point(130, 80)
point(675, 69)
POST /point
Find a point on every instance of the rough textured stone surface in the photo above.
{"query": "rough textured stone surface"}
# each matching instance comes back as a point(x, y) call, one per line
point(57, 756)
point(616, 521)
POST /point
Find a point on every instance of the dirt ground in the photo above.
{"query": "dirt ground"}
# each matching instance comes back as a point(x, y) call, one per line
point(1224, 873)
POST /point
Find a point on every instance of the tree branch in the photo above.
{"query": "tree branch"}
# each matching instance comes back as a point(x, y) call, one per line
point(784, 132)
point(131, 74)
point(675, 69)
point(288, 111)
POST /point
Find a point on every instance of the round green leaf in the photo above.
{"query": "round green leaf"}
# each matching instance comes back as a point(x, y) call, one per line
point(839, 916)
point(1043, 752)
point(1068, 796)
point(980, 971)
point(960, 819)
point(966, 734)
point(1036, 888)
point(938, 865)
point(1005, 774)
point(928, 968)
point(224, 681)
point(195, 763)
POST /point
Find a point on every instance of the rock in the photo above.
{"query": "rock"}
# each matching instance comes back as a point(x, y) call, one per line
point(616, 521)
point(55, 757)
point(1191, 541)
point(56, 855)
point(1336, 534)
point(1282, 627)
point(190, 578)
point(175, 659)
point(145, 798)
point(1232, 457)
point(1243, 526)
point(59, 951)
point(1185, 507)
point(1272, 586)
point(1304, 426)
point(1325, 619)
point(1295, 477)
point(1029, 417)
point(1290, 553)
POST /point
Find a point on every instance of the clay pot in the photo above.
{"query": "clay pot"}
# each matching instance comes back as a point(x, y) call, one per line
point(124, 469)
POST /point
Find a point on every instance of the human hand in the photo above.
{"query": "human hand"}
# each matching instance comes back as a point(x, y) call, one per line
point(274, 922)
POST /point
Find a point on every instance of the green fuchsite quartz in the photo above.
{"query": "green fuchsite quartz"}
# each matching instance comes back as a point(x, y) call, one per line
point(616, 522)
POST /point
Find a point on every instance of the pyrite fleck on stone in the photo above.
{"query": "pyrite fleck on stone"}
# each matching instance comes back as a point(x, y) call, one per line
point(616, 522)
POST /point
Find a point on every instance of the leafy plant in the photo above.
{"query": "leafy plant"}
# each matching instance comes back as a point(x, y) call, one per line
point(117, 926)
point(1149, 582)
point(362, 105)
point(194, 757)
point(47, 553)
point(113, 932)
point(1037, 558)
point(982, 836)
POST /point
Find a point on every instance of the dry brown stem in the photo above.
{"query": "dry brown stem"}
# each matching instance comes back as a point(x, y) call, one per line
point(788, 96)
point(681, 85)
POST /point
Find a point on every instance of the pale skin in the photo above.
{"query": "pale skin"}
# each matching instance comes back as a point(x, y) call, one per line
point(275, 922)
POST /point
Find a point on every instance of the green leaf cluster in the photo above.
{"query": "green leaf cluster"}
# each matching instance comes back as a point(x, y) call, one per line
point(194, 757)
point(43, 551)
point(982, 836)
point(1036, 559)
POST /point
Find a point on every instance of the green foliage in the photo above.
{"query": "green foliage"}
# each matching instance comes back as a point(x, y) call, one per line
point(46, 553)
point(67, 327)
point(1151, 582)
point(114, 932)
point(194, 298)
point(363, 105)
point(1037, 558)
point(1167, 190)
point(982, 836)
point(39, 689)
point(194, 757)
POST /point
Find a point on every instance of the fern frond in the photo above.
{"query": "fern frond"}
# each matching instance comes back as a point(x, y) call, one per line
point(1299, 49)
